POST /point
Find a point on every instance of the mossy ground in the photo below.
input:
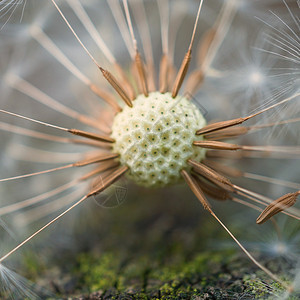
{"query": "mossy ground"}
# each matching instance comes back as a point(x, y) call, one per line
point(158, 246)
point(208, 275)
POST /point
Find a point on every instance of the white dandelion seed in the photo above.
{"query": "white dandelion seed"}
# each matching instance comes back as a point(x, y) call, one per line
point(147, 127)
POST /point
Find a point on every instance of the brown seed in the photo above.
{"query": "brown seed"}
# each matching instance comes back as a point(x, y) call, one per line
point(125, 82)
point(181, 73)
point(102, 168)
point(192, 183)
point(211, 175)
point(92, 136)
point(107, 181)
point(96, 159)
point(277, 206)
point(141, 71)
point(226, 133)
point(212, 190)
point(100, 179)
point(116, 86)
point(220, 125)
point(216, 145)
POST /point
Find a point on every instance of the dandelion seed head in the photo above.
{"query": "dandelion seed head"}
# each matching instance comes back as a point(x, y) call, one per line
point(154, 138)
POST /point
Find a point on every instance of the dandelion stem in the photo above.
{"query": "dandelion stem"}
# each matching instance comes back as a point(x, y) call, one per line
point(52, 138)
point(258, 127)
point(267, 271)
point(227, 146)
point(49, 45)
point(187, 58)
point(210, 44)
point(81, 163)
point(199, 194)
point(37, 173)
point(85, 134)
point(41, 197)
point(105, 73)
point(163, 9)
point(121, 23)
point(75, 34)
point(33, 120)
point(137, 59)
point(108, 181)
point(233, 172)
point(37, 199)
point(225, 124)
point(42, 228)
point(32, 133)
point(40, 36)
point(91, 29)
point(245, 203)
point(37, 213)
point(30, 90)
point(128, 18)
point(222, 25)
point(276, 181)
point(34, 154)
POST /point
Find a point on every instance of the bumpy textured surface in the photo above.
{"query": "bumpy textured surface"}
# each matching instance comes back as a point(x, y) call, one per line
point(154, 138)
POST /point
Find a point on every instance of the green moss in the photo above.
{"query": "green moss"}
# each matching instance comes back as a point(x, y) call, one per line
point(208, 273)
point(263, 289)
point(142, 274)
point(98, 273)
point(33, 265)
